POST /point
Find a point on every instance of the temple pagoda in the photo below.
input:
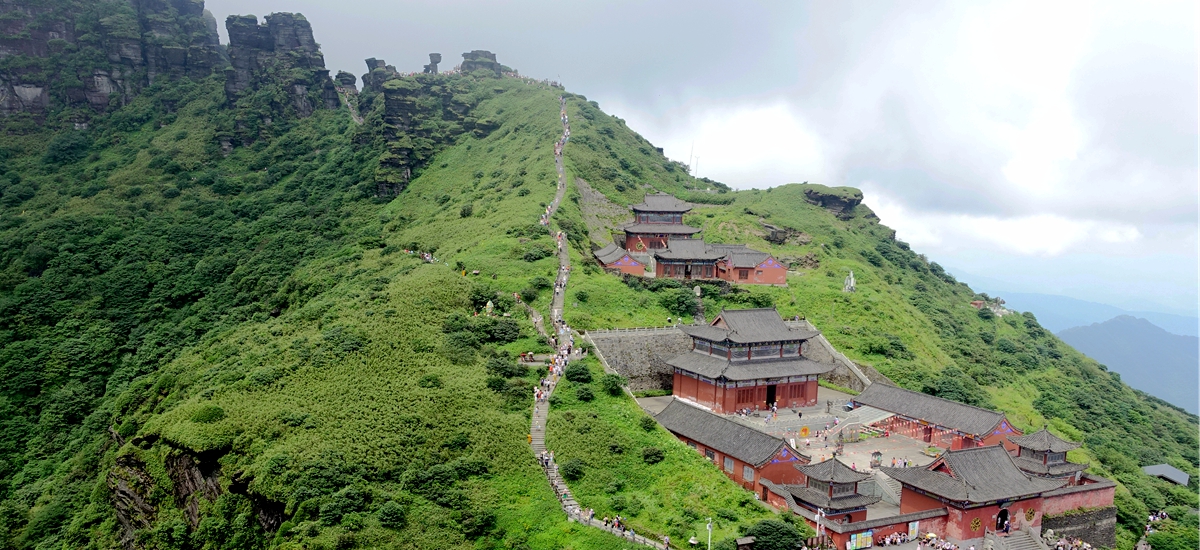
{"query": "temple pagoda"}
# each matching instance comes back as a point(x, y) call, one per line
point(658, 218)
point(747, 359)
point(1044, 454)
point(832, 487)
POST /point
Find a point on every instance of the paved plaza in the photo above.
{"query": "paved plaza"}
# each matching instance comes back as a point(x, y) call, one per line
point(789, 424)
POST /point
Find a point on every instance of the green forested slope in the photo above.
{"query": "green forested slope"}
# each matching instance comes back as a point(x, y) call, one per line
point(213, 333)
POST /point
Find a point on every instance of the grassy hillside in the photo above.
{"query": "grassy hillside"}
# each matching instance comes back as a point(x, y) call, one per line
point(205, 346)
point(909, 318)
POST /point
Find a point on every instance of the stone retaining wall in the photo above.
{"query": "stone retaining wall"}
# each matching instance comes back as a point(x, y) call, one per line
point(1097, 526)
point(642, 357)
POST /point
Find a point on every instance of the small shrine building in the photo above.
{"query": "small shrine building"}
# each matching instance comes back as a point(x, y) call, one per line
point(737, 263)
point(1044, 454)
point(830, 487)
point(937, 421)
point(747, 359)
point(658, 218)
point(616, 259)
point(747, 456)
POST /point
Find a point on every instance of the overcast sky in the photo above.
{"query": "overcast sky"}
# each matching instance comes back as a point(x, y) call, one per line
point(1049, 146)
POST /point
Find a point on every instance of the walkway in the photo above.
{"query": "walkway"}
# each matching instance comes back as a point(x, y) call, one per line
point(537, 431)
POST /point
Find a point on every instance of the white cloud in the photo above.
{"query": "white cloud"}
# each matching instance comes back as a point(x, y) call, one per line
point(1029, 235)
point(745, 145)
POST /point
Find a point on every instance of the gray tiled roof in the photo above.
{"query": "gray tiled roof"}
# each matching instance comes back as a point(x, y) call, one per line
point(748, 326)
point(832, 470)
point(1043, 440)
point(831, 505)
point(714, 367)
point(661, 202)
point(721, 434)
point(663, 228)
point(981, 474)
point(1036, 467)
point(688, 249)
point(610, 254)
point(935, 410)
point(1167, 472)
point(747, 258)
point(853, 527)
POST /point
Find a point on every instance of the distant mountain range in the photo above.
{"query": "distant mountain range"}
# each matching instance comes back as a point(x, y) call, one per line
point(1147, 357)
point(1059, 313)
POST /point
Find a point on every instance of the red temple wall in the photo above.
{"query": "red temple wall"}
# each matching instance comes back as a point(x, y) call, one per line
point(912, 501)
point(627, 266)
point(648, 242)
point(1097, 498)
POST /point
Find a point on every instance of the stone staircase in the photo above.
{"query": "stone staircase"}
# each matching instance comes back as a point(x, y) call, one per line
point(1021, 539)
point(537, 430)
point(888, 488)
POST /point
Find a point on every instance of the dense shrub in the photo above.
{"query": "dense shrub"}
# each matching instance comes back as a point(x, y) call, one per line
point(572, 469)
point(648, 423)
point(612, 384)
point(392, 515)
point(584, 393)
point(578, 373)
point(652, 455)
point(208, 414)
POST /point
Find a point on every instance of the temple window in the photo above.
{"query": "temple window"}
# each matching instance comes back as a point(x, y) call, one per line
point(770, 350)
point(720, 349)
point(740, 353)
point(791, 349)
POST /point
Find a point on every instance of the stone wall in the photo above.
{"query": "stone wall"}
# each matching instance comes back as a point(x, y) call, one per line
point(846, 373)
point(1097, 526)
point(641, 356)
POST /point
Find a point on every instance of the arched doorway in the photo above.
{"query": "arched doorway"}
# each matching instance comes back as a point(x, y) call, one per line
point(1000, 519)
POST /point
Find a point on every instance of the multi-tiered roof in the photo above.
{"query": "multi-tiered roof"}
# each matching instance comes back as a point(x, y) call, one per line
point(1045, 454)
point(748, 344)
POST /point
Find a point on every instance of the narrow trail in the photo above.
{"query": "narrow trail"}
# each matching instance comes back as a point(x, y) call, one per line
point(537, 432)
point(351, 103)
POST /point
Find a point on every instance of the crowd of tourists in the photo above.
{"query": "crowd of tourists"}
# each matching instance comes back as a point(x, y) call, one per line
point(893, 539)
point(1155, 518)
point(933, 542)
point(1071, 543)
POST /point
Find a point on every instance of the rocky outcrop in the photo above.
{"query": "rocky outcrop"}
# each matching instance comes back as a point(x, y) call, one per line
point(480, 59)
point(131, 487)
point(81, 55)
point(409, 101)
point(434, 59)
point(193, 479)
point(785, 235)
point(280, 52)
point(269, 513)
point(839, 200)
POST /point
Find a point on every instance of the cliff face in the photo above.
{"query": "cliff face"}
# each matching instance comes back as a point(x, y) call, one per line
point(280, 51)
point(96, 55)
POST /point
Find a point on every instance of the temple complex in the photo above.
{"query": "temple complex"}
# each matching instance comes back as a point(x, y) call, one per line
point(657, 239)
point(747, 359)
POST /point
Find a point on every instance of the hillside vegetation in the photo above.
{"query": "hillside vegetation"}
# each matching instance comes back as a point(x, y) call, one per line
point(217, 332)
